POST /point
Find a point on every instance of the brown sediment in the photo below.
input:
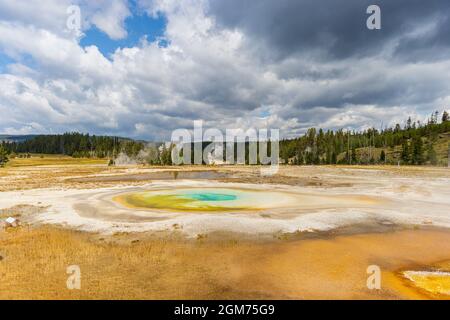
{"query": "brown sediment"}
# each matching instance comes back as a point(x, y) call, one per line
point(25, 174)
point(256, 178)
point(129, 266)
point(158, 175)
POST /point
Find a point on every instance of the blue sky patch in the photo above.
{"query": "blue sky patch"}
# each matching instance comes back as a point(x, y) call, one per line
point(4, 61)
point(264, 114)
point(138, 26)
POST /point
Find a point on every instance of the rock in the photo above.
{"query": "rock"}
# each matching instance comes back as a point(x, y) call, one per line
point(201, 236)
point(11, 222)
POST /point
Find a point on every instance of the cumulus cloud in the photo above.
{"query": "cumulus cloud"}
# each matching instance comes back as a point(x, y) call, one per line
point(110, 17)
point(235, 64)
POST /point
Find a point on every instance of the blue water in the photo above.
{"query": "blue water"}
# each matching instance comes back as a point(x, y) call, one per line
point(208, 196)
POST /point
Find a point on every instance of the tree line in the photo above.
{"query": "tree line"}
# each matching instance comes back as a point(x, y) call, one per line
point(76, 145)
point(350, 147)
point(413, 143)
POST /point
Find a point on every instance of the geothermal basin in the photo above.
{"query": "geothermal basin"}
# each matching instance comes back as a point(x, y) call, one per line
point(203, 206)
point(303, 226)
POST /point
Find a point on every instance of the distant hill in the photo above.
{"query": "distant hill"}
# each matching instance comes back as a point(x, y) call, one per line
point(71, 144)
point(415, 143)
point(393, 155)
point(16, 138)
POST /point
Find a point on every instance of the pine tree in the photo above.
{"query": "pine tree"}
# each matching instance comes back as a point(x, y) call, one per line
point(382, 156)
point(354, 157)
point(3, 156)
point(166, 155)
point(300, 159)
point(445, 117)
point(431, 154)
point(417, 150)
point(405, 152)
point(408, 123)
point(333, 158)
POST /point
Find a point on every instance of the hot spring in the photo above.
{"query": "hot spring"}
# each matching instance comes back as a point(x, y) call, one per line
point(209, 206)
point(206, 199)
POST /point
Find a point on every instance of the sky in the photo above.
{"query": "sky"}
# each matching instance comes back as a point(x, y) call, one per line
point(143, 68)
